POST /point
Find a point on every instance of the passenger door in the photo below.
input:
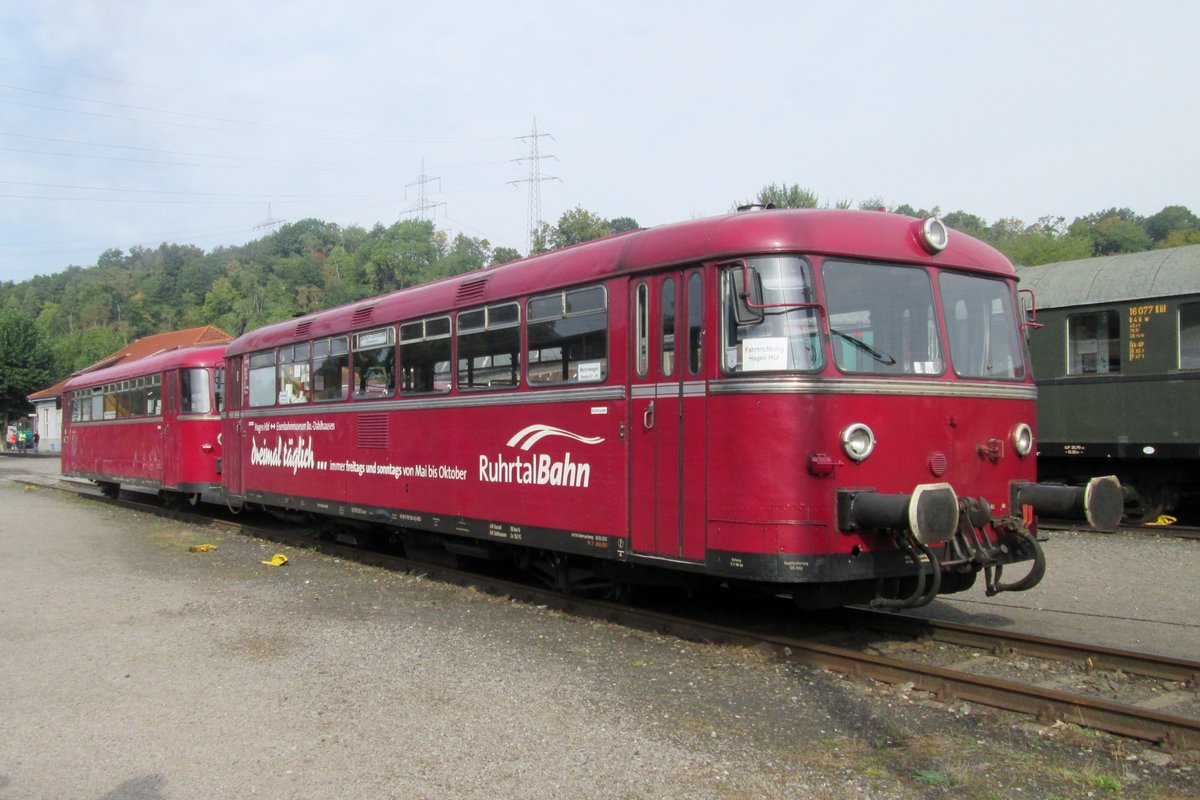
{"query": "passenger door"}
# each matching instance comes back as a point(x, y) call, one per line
point(167, 471)
point(668, 425)
point(231, 429)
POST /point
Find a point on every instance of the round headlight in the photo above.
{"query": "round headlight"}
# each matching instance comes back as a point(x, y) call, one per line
point(1022, 439)
point(858, 441)
point(934, 235)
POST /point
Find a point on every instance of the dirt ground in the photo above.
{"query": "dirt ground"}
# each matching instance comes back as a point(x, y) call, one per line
point(133, 668)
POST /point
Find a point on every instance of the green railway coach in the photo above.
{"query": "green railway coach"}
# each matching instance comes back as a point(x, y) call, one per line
point(1116, 354)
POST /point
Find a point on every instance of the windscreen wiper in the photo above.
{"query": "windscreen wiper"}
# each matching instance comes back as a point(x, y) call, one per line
point(881, 357)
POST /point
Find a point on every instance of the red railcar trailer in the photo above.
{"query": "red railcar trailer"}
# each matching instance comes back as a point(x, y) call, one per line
point(153, 423)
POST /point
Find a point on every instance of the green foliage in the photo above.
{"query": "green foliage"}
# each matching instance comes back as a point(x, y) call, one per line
point(1043, 242)
point(576, 226)
point(1117, 230)
point(1106, 783)
point(1172, 219)
point(1180, 238)
point(26, 364)
point(967, 223)
point(784, 196)
point(931, 777)
point(502, 255)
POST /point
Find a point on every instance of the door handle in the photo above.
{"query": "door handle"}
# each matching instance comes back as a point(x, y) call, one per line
point(648, 416)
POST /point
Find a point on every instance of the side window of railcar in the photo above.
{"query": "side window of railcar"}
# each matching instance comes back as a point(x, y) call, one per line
point(667, 311)
point(136, 397)
point(1189, 336)
point(375, 364)
point(1093, 343)
point(695, 322)
point(193, 392)
point(425, 356)
point(295, 376)
point(568, 337)
point(782, 333)
point(489, 347)
point(219, 389)
point(81, 406)
point(97, 403)
point(262, 379)
point(154, 395)
point(642, 329)
point(331, 369)
point(981, 327)
point(116, 405)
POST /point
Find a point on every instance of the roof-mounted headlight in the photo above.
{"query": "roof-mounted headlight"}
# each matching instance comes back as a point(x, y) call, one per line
point(934, 235)
point(858, 441)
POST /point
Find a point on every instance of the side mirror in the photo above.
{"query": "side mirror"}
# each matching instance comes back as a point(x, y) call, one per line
point(748, 304)
point(1028, 310)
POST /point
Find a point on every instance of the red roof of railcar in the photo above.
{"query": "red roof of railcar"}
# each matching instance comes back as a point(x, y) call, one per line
point(863, 234)
point(202, 356)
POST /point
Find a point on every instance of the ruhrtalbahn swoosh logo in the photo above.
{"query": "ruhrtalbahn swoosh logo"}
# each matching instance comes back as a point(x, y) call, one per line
point(535, 433)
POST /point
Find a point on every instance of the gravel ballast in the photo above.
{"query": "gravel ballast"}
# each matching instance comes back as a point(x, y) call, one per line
point(133, 668)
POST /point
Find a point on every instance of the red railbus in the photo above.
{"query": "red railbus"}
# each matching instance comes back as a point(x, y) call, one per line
point(153, 423)
point(830, 404)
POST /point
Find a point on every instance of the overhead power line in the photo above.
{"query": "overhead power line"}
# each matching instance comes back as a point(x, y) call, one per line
point(270, 223)
point(423, 203)
point(534, 180)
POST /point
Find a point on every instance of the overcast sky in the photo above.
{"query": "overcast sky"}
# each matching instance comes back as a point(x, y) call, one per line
point(130, 123)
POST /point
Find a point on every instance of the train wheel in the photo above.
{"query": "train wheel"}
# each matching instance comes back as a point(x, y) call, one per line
point(1146, 505)
point(620, 592)
point(109, 489)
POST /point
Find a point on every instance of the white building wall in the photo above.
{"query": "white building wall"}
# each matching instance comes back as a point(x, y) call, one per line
point(49, 426)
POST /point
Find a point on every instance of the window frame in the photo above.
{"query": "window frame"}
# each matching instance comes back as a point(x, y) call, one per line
point(1195, 365)
point(388, 346)
point(564, 312)
point(465, 366)
point(423, 336)
point(258, 363)
point(1111, 321)
point(345, 373)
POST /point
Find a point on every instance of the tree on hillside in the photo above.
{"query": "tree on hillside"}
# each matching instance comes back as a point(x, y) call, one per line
point(966, 223)
point(1171, 220)
point(502, 255)
point(1043, 242)
point(576, 226)
point(1117, 230)
point(784, 196)
point(462, 254)
point(25, 363)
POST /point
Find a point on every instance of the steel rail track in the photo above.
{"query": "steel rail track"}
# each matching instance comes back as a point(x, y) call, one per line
point(1046, 704)
point(1166, 531)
